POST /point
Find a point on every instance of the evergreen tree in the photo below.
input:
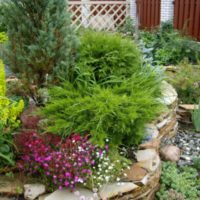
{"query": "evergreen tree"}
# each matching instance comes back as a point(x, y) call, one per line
point(42, 42)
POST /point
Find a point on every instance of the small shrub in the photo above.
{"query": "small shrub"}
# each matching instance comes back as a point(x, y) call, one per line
point(112, 95)
point(196, 118)
point(186, 81)
point(183, 181)
point(104, 55)
point(170, 46)
point(41, 44)
point(9, 110)
point(117, 113)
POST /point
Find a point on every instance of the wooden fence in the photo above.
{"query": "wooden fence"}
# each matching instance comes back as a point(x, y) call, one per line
point(148, 13)
point(187, 17)
point(101, 15)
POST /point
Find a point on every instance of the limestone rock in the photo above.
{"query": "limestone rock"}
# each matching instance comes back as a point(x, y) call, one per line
point(135, 173)
point(10, 186)
point(150, 165)
point(111, 190)
point(169, 94)
point(66, 194)
point(151, 131)
point(32, 191)
point(147, 154)
point(153, 144)
point(170, 153)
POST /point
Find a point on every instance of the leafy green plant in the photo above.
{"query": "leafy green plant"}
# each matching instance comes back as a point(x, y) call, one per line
point(196, 118)
point(186, 81)
point(42, 42)
point(183, 181)
point(170, 46)
point(104, 55)
point(9, 112)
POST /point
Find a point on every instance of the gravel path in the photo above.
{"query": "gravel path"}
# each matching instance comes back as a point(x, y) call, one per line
point(189, 142)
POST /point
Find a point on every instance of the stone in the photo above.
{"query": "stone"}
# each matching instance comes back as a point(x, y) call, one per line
point(162, 124)
point(150, 165)
point(153, 144)
point(147, 154)
point(187, 158)
point(135, 173)
point(114, 189)
point(66, 194)
point(170, 153)
point(169, 94)
point(32, 191)
point(188, 107)
point(10, 186)
point(42, 197)
point(151, 130)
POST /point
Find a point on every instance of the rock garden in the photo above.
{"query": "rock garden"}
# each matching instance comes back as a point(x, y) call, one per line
point(94, 115)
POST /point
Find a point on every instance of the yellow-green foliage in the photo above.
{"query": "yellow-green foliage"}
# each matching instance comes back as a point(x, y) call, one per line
point(3, 37)
point(9, 110)
point(2, 80)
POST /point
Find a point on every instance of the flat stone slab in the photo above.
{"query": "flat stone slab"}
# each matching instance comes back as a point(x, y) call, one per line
point(189, 107)
point(111, 190)
point(9, 186)
point(77, 194)
point(147, 154)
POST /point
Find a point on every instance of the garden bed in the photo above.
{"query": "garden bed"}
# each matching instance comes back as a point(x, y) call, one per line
point(142, 180)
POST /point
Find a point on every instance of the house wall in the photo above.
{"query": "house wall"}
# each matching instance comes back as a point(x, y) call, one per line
point(167, 10)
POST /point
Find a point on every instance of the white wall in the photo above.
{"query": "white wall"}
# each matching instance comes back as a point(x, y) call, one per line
point(167, 10)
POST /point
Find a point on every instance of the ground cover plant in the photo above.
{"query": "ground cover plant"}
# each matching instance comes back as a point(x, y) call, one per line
point(169, 46)
point(64, 163)
point(42, 48)
point(112, 96)
point(178, 183)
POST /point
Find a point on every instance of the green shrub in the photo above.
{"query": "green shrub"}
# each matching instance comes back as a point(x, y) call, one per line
point(186, 81)
point(184, 181)
point(117, 113)
point(42, 42)
point(170, 46)
point(102, 55)
point(9, 112)
point(196, 118)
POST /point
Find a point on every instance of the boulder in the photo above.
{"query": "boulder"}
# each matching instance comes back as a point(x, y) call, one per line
point(135, 173)
point(169, 94)
point(170, 153)
point(147, 154)
point(114, 189)
point(77, 194)
point(32, 191)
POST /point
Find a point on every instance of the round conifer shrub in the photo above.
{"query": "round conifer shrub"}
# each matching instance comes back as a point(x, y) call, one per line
point(104, 55)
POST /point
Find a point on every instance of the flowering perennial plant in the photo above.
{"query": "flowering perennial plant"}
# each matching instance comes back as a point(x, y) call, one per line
point(65, 163)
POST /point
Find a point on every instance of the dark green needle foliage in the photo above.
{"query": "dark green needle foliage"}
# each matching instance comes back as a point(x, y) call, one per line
point(41, 40)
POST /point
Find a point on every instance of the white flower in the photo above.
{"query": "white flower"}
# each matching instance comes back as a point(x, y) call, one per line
point(118, 179)
point(77, 193)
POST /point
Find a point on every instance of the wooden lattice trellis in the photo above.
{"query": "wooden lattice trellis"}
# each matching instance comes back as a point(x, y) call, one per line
point(101, 15)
